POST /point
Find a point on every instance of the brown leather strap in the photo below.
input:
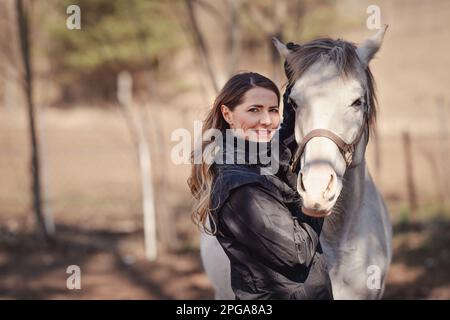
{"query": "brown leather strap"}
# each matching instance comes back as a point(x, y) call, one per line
point(325, 134)
point(347, 149)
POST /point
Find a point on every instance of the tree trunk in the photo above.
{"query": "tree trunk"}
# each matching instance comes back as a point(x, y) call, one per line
point(280, 14)
point(165, 218)
point(233, 37)
point(200, 44)
point(22, 20)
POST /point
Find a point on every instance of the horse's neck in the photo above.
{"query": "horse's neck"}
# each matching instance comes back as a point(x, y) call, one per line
point(348, 210)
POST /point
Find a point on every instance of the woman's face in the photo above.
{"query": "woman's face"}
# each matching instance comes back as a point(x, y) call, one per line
point(257, 118)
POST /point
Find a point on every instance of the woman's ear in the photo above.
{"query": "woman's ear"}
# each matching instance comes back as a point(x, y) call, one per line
point(227, 114)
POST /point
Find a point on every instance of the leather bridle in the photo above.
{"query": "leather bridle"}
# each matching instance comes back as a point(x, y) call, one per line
point(347, 149)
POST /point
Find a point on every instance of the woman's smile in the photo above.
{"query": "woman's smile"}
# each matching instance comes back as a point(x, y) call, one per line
point(263, 134)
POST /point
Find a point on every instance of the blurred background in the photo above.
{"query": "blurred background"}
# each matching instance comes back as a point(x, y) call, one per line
point(86, 117)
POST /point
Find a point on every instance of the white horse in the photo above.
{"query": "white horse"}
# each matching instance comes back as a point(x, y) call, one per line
point(333, 91)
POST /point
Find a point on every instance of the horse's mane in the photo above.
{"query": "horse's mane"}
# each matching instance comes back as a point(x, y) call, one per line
point(343, 54)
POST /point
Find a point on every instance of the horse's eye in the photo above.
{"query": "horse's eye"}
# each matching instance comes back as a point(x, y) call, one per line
point(357, 103)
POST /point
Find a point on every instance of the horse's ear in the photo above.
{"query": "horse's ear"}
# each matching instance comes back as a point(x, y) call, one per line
point(281, 47)
point(370, 46)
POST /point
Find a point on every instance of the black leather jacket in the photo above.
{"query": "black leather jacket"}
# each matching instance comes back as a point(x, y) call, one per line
point(274, 249)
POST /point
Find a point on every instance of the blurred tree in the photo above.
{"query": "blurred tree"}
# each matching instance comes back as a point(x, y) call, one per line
point(270, 19)
point(200, 43)
point(44, 222)
point(248, 26)
point(115, 35)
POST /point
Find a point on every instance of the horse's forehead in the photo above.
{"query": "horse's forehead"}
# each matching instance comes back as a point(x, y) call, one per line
point(322, 78)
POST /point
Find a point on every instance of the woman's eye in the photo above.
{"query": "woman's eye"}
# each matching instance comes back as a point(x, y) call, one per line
point(253, 109)
point(357, 103)
point(275, 110)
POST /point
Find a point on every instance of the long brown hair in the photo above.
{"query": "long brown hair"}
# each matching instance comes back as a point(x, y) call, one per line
point(202, 177)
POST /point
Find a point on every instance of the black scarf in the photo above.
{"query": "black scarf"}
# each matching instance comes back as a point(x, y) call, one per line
point(235, 150)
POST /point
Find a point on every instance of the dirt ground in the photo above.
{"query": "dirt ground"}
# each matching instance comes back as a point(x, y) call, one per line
point(31, 270)
point(421, 262)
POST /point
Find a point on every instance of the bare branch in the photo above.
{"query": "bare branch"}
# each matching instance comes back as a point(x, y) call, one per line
point(200, 44)
point(211, 9)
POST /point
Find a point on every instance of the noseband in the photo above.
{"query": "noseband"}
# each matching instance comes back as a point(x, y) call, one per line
point(347, 149)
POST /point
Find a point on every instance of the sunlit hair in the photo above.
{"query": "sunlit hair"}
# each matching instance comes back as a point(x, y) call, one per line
point(202, 176)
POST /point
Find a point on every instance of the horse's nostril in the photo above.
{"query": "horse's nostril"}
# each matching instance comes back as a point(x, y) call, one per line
point(330, 184)
point(302, 186)
point(330, 192)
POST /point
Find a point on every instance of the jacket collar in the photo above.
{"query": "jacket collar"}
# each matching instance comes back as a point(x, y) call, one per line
point(282, 185)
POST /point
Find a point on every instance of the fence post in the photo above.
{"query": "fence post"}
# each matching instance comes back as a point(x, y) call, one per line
point(410, 184)
point(377, 152)
point(124, 95)
point(444, 134)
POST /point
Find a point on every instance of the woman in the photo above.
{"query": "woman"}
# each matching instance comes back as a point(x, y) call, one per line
point(273, 247)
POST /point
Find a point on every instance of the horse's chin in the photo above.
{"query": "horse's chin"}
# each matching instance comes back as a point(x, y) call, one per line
point(316, 213)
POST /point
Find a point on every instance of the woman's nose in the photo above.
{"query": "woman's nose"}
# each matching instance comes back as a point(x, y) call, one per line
point(265, 118)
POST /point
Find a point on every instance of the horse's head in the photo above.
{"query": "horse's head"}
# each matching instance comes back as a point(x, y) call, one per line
point(332, 90)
